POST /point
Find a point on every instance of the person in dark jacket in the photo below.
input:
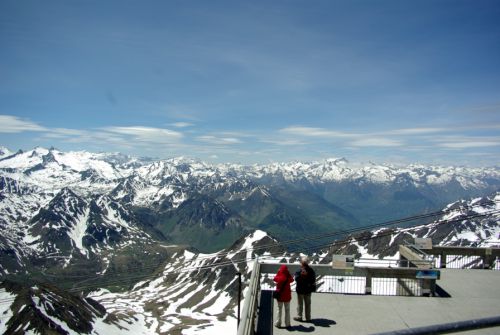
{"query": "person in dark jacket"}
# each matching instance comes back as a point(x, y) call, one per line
point(306, 284)
point(283, 279)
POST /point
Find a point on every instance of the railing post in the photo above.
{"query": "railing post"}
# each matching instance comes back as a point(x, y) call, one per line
point(368, 286)
point(442, 260)
point(426, 287)
point(488, 259)
point(239, 297)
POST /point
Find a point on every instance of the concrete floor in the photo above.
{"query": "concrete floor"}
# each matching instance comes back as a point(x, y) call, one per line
point(474, 294)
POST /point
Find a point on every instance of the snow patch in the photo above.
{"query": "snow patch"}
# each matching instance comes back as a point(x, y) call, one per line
point(78, 231)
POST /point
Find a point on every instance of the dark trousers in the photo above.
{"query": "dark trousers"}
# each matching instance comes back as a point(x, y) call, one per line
point(304, 302)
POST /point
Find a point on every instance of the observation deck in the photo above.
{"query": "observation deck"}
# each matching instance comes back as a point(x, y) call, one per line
point(400, 298)
point(475, 294)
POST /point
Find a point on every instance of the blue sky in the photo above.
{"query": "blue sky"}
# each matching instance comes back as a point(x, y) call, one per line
point(255, 81)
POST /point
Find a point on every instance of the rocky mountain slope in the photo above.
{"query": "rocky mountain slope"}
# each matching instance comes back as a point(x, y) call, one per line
point(189, 292)
point(474, 223)
point(45, 309)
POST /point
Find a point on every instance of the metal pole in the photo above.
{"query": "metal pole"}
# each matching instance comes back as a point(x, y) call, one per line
point(239, 296)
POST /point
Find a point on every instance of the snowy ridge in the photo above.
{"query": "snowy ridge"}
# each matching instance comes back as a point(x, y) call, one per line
point(84, 172)
point(30, 180)
point(53, 170)
point(339, 170)
point(4, 152)
point(45, 309)
point(205, 303)
point(65, 225)
point(461, 231)
point(192, 294)
point(64, 209)
point(186, 297)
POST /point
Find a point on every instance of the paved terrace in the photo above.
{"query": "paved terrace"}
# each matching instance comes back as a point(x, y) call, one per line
point(474, 294)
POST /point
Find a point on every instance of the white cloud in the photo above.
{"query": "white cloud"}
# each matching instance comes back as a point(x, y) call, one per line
point(355, 139)
point(181, 124)
point(314, 132)
point(466, 142)
point(13, 124)
point(466, 145)
point(65, 133)
point(416, 131)
point(147, 134)
point(218, 140)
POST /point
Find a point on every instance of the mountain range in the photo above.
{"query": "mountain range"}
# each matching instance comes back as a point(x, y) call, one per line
point(187, 292)
point(123, 241)
point(80, 202)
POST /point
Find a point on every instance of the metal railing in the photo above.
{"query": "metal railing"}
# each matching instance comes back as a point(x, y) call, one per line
point(249, 311)
point(351, 284)
point(412, 275)
point(467, 262)
point(465, 257)
point(358, 280)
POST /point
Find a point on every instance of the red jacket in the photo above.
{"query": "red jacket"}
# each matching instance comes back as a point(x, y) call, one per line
point(283, 280)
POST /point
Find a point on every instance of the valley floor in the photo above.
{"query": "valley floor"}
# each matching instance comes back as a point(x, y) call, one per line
point(474, 294)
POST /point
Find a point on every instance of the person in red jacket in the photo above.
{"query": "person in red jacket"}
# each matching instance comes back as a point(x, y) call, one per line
point(283, 279)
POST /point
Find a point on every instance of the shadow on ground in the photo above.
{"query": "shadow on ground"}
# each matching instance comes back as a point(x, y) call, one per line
point(323, 322)
point(440, 292)
point(301, 328)
point(309, 329)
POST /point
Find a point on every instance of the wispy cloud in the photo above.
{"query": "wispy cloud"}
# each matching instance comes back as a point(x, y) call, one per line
point(467, 145)
point(281, 143)
point(13, 124)
point(416, 131)
point(218, 140)
point(314, 132)
point(181, 124)
point(65, 133)
point(147, 134)
point(465, 142)
point(348, 139)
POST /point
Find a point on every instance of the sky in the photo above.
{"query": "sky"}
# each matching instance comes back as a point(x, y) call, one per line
point(254, 81)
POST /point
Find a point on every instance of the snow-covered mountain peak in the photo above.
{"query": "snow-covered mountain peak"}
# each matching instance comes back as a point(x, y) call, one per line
point(4, 152)
point(337, 161)
point(39, 151)
point(114, 166)
point(257, 236)
point(257, 243)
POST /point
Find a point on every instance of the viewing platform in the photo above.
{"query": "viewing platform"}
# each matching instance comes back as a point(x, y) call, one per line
point(440, 288)
point(474, 294)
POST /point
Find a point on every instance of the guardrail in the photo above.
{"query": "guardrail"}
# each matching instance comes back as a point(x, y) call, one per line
point(248, 313)
point(465, 257)
point(412, 275)
point(357, 280)
point(453, 257)
point(362, 280)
